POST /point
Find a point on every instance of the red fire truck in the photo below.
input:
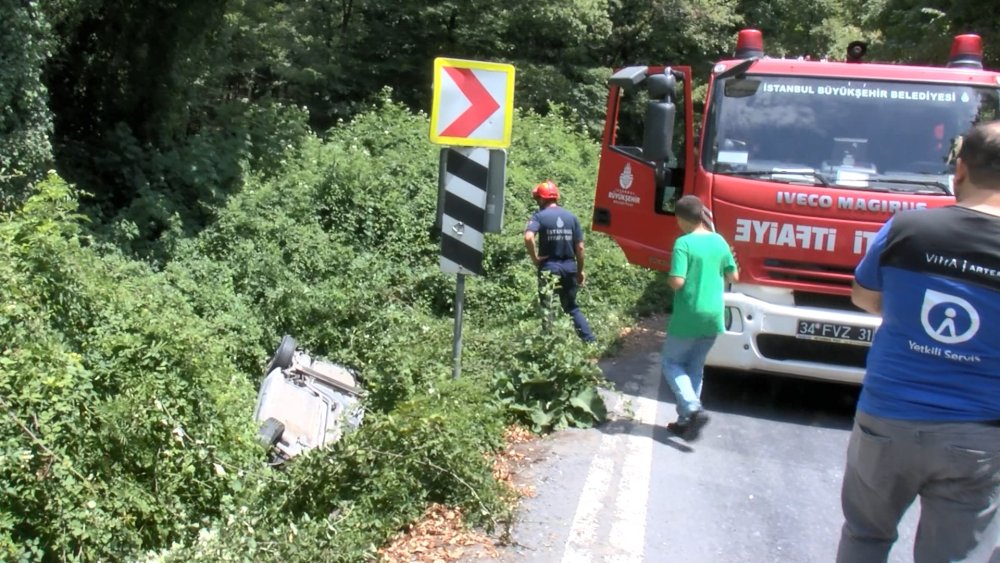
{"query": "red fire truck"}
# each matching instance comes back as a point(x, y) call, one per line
point(800, 162)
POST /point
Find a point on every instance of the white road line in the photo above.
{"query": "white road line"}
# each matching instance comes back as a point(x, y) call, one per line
point(628, 529)
point(629, 495)
point(583, 533)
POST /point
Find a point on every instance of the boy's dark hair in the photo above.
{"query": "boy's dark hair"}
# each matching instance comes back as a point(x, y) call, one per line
point(980, 152)
point(689, 208)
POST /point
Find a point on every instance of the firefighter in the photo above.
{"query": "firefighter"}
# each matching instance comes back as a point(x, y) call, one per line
point(554, 241)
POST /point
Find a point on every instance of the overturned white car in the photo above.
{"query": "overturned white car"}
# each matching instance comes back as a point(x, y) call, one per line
point(305, 403)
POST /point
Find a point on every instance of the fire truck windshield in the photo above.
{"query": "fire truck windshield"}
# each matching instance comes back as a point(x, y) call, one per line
point(850, 134)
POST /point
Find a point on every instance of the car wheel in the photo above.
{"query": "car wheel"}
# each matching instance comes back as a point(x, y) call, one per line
point(270, 432)
point(283, 355)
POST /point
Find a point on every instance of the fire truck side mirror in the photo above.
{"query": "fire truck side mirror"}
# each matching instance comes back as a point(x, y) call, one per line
point(658, 130)
point(662, 86)
point(629, 76)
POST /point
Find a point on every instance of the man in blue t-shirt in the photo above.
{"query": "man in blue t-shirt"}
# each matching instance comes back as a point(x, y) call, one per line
point(928, 419)
point(554, 241)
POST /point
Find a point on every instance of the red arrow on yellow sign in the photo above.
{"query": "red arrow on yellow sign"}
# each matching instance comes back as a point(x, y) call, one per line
point(473, 103)
point(482, 103)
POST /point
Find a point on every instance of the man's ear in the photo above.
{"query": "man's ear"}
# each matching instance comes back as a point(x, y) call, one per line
point(961, 171)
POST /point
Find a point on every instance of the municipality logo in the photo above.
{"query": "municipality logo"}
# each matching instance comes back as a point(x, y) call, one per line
point(559, 223)
point(947, 318)
point(625, 178)
point(622, 196)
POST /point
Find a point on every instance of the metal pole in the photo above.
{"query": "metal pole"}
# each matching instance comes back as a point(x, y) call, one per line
point(456, 347)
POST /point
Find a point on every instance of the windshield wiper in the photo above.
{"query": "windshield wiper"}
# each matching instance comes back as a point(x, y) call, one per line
point(940, 187)
point(784, 175)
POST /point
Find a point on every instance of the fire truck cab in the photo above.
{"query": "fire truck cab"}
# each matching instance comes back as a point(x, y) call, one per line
point(800, 163)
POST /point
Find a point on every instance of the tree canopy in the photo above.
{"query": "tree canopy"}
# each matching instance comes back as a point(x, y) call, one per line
point(137, 93)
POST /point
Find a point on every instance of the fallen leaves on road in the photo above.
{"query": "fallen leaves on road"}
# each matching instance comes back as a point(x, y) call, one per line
point(646, 336)
point(506, 462)
point(440, 535)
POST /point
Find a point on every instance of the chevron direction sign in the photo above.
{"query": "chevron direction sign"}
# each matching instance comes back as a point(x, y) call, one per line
point(471, 205)
point(473, 103)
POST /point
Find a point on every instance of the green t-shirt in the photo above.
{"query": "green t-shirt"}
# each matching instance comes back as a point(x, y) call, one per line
point(701, 258)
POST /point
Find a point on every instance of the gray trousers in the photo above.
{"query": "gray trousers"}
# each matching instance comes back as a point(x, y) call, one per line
point(953, 467)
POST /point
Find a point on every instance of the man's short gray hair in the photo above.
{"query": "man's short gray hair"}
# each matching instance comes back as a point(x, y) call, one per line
point(980, 152)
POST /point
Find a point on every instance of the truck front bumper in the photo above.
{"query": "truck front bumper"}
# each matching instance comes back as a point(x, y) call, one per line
point(762, 336)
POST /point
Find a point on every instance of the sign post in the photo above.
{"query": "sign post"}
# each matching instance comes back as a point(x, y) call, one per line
point(456, 340)
point(472, 107)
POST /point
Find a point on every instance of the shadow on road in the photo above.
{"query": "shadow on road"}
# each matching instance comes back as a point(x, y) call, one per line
point(783, 399)
point(659, 433)
point(771, 398)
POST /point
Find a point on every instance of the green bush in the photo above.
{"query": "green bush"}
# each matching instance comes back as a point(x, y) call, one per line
point(341, 504)
point(338, 250)
point(120, 424)
point(128, 390)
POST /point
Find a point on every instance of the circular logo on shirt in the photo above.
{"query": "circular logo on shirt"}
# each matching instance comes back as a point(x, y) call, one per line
point(947, 318)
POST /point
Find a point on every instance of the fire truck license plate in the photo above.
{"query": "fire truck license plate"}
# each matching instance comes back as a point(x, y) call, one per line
point(835, 332)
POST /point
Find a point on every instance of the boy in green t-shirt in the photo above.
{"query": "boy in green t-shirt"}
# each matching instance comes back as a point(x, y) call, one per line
point(701, 266)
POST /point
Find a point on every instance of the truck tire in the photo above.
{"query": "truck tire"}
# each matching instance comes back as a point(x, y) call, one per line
point(283, 355)
point(270, 432)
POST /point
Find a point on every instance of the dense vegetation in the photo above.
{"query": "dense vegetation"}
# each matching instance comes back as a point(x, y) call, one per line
point(184, 181)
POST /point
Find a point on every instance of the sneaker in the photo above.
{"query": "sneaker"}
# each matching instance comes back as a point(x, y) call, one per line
point(693, 428)
point(680, 427)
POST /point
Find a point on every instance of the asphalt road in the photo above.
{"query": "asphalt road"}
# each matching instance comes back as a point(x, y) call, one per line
point(761, 485)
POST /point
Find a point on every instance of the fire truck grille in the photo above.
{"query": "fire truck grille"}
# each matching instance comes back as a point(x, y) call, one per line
point(824, 300)
point(807, 272)
point(781, 347)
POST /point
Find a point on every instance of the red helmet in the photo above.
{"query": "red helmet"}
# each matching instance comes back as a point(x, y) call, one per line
point(546, 190)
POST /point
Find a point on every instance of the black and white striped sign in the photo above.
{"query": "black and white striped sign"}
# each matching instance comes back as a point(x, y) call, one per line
point(463, 219)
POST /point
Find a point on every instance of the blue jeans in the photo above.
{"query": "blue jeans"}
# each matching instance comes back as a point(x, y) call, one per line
point(683, 366)
point(566, 288)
